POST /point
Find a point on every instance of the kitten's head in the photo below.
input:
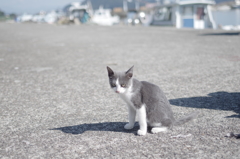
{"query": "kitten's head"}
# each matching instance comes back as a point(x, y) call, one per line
point(120, 81)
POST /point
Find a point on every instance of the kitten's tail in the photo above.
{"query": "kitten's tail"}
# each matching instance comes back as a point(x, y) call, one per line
point(185, 119)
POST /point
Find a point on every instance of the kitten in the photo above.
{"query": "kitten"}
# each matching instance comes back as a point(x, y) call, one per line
point(145, 99)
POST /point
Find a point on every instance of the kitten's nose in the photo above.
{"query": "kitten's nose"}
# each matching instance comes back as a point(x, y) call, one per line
point(117, 92)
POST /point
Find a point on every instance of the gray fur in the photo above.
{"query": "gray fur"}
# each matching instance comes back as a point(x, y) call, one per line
point(158, 109)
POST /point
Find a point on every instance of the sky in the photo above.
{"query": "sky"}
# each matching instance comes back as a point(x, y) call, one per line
point(32, 6)
point(35, 6)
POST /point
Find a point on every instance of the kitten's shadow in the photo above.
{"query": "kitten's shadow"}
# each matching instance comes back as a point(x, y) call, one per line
point(106, 126)
point(228, 101)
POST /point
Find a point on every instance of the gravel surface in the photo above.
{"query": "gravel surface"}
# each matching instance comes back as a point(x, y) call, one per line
point(56, 101)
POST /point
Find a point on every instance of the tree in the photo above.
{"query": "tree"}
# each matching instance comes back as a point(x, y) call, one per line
point(12, 15)
point(2, 13)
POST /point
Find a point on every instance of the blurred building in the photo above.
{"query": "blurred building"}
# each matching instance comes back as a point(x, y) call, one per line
point(184, 14)
point(227, 14)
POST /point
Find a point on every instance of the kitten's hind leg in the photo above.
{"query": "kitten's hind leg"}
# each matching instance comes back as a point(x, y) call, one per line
point(158, 129)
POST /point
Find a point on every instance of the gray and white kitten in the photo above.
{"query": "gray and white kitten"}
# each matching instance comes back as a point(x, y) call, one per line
point(145, 99)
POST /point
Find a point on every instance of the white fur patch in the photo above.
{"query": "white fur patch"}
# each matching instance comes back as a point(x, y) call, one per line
point(142, 120)
point(158, 129)
point(131, 116)
point(118, 88)
point(127, 95)
point(155, 124)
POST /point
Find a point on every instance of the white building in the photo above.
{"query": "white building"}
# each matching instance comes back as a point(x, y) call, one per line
point(227, 15)
point(184, 14)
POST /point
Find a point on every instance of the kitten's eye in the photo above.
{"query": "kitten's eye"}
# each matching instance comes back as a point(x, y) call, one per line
point(123, 85)
point(113, 85)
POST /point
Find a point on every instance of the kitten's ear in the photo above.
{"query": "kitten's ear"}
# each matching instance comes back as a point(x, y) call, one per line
point(129, 73)
point(110, 72)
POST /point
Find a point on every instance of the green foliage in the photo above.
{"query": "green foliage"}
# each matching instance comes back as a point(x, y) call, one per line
point(4, 17)
point(2, 13)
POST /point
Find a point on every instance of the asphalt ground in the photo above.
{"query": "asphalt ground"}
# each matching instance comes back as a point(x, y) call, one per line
point(56, 102)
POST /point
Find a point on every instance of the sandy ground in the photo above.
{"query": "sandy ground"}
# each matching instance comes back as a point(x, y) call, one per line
point(56, 102)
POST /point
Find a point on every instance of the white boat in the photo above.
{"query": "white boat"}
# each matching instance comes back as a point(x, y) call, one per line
point(25, 17)
point(79, 12)
point(51, 17)
point(104, 17)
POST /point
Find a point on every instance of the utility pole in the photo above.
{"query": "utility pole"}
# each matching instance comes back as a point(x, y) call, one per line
point(137, 5)
point(125, 6)
point(158, 2)
point(237, 12)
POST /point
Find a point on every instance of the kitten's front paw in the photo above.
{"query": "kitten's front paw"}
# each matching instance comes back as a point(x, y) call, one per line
point(141, 132)
point(128, 126)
